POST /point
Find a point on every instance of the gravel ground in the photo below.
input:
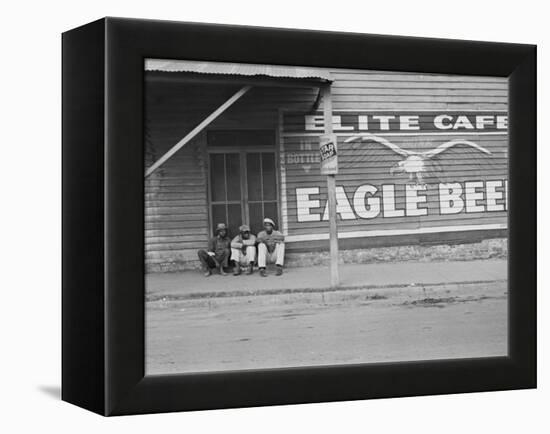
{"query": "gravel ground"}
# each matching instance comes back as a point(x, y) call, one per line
point(324, 328)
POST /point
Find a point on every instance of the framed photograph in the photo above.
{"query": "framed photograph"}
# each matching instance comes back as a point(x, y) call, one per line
point(258, 216)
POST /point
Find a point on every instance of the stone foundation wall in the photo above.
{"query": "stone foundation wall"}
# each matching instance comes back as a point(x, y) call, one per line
point(495, 248)
point(486, 249)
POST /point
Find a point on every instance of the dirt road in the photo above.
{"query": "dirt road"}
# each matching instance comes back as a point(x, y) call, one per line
point(333, 327)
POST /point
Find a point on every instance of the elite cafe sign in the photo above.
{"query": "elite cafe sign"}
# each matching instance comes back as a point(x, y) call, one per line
point(368, 201)
point(407, 121)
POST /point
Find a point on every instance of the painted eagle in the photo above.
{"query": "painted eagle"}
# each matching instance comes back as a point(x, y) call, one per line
point(417, 164)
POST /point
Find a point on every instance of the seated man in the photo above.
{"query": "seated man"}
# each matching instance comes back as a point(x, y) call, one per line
point(217, 255)
point(271, 247)
point(243, 250)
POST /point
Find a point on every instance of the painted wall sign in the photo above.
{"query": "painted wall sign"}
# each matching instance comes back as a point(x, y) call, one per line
point(399, 170)
point(328, 152)
point(369, 201)
point(385, 122)
point(416, 164)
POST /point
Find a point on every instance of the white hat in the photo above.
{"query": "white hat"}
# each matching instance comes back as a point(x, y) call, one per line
point(268, 220)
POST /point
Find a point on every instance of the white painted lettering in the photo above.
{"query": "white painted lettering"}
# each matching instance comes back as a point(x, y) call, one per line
point(413, 200)
point(363, 122)
point(343, 206)
point(314, 123)
point(493, 195)
point(482, 121)
point(463, 122)
point(502, 122)
point(366, 205)
point(337, 124)
point(388, 202)
point(443, 122)
point(408, 123)
point(472, 196)
point(384, 121)
point(305, 204)
point(450, 200)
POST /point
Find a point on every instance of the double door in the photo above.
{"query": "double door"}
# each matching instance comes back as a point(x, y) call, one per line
point(243, 188)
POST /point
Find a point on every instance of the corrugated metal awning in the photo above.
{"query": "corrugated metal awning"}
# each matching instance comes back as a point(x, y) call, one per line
point(239, 69)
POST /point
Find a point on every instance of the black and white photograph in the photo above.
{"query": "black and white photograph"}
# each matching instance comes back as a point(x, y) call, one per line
point(299, 216)
point(275, 217)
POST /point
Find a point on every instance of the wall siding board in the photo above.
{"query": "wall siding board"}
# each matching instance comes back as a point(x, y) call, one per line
point(176, 213)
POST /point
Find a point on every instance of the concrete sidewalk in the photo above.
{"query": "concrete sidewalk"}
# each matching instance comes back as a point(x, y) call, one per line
point(192, 284)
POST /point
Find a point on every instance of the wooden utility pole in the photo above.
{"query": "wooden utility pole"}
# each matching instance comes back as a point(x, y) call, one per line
point(331, 192)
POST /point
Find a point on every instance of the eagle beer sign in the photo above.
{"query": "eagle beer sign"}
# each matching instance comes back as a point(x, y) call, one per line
point(403, 170)
point(328, 150)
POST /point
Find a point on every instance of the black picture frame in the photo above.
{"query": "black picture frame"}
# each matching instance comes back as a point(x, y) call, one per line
point(103, 223)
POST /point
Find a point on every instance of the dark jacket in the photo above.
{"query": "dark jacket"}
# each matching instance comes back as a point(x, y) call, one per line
point(219, 245)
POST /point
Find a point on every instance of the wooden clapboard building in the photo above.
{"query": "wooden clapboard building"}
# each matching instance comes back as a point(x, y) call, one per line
point(422, 158)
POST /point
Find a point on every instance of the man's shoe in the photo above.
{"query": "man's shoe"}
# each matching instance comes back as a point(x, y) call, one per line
point(222, 272)
point(207, 273)
point(279, 270)
point(236, 269)
point(250, 269)
point(262, 272)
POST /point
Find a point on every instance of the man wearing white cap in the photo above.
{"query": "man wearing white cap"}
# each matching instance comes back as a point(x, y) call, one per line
point(271, 247)
point(243, 250)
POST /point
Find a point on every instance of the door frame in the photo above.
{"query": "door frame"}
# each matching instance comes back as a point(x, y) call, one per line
point(242, 151)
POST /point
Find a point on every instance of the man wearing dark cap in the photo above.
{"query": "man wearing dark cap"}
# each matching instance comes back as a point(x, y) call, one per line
point(243, 250)
point(271, 247)
point(217, 255)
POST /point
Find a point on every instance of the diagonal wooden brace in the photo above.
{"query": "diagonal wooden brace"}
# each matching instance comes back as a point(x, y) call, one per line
point(196, 130)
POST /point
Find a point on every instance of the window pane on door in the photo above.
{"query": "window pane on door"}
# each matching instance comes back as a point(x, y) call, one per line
point(269, 177)
point(271, 211)
point(217, 177)
point(256, 217)
point(234, 218)
point(254, 181)
point(233, 176)
point(218, 216)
